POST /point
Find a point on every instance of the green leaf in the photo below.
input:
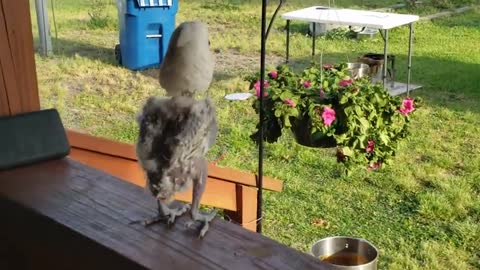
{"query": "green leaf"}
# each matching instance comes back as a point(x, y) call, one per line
point(358, 110)
point(384, 138)
point(295, 112)
point(364, 124)
point(278, 113)
point(286, 121)
point(286, 94)
point(325, 84)
point(347, 151)
point(341, 138)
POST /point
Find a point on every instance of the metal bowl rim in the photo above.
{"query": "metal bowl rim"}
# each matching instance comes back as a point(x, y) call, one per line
point(362, 65)
point(351, 238)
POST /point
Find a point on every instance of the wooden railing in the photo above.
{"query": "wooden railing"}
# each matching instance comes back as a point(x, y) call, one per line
point(229, 189)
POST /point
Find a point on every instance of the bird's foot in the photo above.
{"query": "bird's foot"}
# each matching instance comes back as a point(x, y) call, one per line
point(169, 215)
point(172, 213)
point(153, 220)
point(205, 219)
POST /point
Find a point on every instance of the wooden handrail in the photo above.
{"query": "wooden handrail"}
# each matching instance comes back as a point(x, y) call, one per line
point(127, 151)
point(61, 214)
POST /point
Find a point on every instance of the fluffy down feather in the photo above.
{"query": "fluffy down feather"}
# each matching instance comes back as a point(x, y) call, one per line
point(175, 134)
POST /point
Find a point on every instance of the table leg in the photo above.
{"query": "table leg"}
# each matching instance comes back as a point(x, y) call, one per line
point(314, 35)
point(410, 45)
point(288, 41)
point(385, 57)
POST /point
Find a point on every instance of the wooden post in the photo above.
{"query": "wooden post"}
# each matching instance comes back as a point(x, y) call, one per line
point(18, 77)
point(246, 213)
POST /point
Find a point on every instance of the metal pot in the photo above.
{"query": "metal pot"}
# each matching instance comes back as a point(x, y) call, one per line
point(346, 253)
point(358, 70)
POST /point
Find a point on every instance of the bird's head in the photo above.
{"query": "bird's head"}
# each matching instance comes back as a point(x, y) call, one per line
point(163, 191)
point(188, 65)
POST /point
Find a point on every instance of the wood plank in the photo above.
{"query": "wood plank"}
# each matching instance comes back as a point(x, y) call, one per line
point(17, 60)
point(5, 63)
point(110, 147)
point(246, 214)
point(244, 178)
point(218, 193)
point(4, 107)
point(64, 206)
point(86, 141)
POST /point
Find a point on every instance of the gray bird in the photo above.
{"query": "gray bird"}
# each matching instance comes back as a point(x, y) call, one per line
point(188, 65)
point(175, 135)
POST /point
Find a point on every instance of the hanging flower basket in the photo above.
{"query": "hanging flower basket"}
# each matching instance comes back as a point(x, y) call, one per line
point(324, 107)
point(302, 132)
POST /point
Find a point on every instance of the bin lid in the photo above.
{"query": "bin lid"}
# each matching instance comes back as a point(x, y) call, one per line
point(155, 3)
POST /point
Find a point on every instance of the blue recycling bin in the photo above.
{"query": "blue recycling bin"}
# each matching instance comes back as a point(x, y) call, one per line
point(145, 30)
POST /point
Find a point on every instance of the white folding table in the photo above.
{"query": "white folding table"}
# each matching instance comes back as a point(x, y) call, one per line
point(351, 17)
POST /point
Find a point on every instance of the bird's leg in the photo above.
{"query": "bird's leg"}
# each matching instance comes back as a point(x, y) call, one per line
point(196, 215)
point(159, 217)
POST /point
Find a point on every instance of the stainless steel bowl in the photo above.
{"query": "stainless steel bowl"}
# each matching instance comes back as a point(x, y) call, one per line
point(346, 253)
point(358, 70)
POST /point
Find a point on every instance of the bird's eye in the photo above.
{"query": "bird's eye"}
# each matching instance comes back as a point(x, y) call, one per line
point(209, 42)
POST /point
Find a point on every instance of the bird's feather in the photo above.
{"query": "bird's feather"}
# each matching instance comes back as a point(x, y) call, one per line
point(174, 134)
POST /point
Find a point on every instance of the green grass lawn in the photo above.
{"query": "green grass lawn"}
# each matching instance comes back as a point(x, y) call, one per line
point(422, 213)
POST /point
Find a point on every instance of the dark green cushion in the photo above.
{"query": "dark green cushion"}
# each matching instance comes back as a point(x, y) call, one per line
point(32, 137)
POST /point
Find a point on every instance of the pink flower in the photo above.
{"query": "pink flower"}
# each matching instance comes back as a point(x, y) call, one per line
point(328, 116)
point(290, 102)
point(327, 66)
point(370, 146)
point(407, 106)
point(374, 165)
point(321, 93)
point(273, 74)
point(345, 82)
point(307, 84)
point(257, 88)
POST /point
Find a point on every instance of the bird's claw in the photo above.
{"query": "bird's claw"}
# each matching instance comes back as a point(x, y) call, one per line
point(174, 213)
point(204, 229)
point(205, 220)
point(189, 224)
point(153, 220)
point(169, 216)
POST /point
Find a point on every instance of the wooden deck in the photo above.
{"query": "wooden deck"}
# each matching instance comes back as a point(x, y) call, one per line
point(64, 215)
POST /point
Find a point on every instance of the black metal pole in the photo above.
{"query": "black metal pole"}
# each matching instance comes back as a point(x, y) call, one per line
point(273, 18)
point(260, 146)
point(410, 44)
point(314, 35)
point(288, 42)
point(385, 58)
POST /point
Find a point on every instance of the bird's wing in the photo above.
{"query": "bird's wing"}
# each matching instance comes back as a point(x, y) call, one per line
point(198, 132)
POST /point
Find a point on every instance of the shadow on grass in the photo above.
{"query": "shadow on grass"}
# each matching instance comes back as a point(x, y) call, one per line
point(470, 19)
point(70, 48)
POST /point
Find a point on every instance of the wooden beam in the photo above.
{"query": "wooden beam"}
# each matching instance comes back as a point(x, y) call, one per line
point(17, 62)
point(218, 193)
point(4, 107)
point(118, 149)
point(246, 213)
point(85, 141)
